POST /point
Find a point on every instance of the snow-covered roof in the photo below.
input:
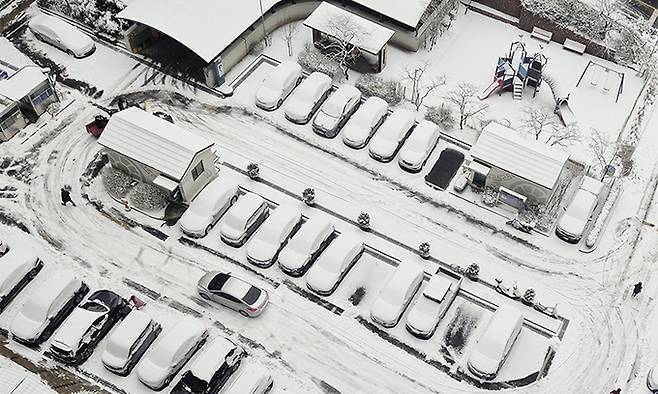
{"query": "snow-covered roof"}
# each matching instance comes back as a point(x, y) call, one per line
point(408, 12)
point(206, 27)
point(211, 358)
point(21, 83)
point(152, 141)
point(371, 37)
point(505, 148)
point(11, 59)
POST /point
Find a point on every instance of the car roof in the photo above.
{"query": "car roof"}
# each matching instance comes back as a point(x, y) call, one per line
point(247, 204)
point(211, 358)
point(236, 287)
point(130, 328)
point(215, 188)
point(17, 257)
point(312, 227)
point(52, 287)
point(186, 328)
point(245, 379)
point(282, 215)
point(437, 288)
point(284, 69)
point(315, 78)
point(341, 246)
point(54, 23)
point(396, 121)
point(370, 108)
point(344, 93)
point(425, 130)
point(403, 276)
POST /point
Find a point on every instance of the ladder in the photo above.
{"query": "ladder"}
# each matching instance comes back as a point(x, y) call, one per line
point(518, 88)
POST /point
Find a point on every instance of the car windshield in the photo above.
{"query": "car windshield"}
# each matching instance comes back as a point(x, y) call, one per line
point(270, 234)
point(581, 205)
point(195, 384)
point(217, 282)
point(34, 311)
point(252, 295)
point(94, 306)
point(106, 297)
point(237, 221)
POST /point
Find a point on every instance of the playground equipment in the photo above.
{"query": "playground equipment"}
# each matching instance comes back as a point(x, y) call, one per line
point(517, 70)
point(596, 79)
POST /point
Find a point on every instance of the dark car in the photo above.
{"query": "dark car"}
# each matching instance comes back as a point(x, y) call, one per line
point(211, 369)
point(88, 324)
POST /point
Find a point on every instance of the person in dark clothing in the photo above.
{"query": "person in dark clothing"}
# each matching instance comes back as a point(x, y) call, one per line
point(66, 197)
point(616, 391)
point(637, 288)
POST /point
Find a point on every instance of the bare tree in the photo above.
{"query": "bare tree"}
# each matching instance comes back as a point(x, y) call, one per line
point(342, 45)
point(421, 85)
point(602, 148)
point(564, 136)
point(464, 97)
point(289, 32)
point(536, 120)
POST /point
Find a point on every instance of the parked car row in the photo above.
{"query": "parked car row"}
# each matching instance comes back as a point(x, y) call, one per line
point(272, 235)
point(362, 123)
point(59, 304)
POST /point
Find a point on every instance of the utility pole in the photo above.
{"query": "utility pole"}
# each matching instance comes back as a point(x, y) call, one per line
point(262, 19)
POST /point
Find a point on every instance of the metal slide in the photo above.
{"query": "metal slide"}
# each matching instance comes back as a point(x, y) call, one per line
point(562, 108)
point(489, 89)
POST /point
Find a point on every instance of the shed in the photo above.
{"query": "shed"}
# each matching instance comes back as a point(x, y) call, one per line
point(158, 152)
point(329, 22)
point(502, 157)
point(31, 89)
point(11, 119)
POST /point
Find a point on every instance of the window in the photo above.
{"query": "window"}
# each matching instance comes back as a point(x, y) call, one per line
point(41, 94)
point(10, 119)
point(197, 170)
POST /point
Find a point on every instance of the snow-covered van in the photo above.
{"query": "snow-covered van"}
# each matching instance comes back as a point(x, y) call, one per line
point(495, 343)
point(572, 224)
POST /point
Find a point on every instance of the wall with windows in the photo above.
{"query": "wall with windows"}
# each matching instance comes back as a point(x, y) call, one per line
point(11, 122)
point(41, 97)
point(202, 170)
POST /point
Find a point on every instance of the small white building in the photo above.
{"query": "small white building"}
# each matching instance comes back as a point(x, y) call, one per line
point(31, 88)
point(158, 152)
point(519, 167)
point(11, 119)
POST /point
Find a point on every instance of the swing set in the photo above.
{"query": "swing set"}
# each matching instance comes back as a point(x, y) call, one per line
point(600, 69)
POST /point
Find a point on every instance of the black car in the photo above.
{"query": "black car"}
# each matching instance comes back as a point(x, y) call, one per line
point(211, 369)
point(88, 324)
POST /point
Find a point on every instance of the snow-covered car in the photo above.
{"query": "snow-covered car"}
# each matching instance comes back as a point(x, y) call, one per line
point(87, 325)
point(333, 264)
point(425, 314)
point(170, 353)
point(4, 248)
point(573, 221)
point(272, 235)
point(391, 135)
point(233, 292)
point(365, 121)
point(307, 98)
point(18, 267)
point(208, 206)
point(62, 35)
point(336, 110)
point(252, 379)
point(419, 146)
point(128, 343)
point(243, 218)
point(305, 246)
point(652, 379)
point(278, 85)
point(396, 294)
point(495, 343)
point(211, 369)
point(47, 308)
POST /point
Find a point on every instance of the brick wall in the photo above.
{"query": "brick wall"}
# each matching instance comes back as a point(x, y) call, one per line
point(510, 7)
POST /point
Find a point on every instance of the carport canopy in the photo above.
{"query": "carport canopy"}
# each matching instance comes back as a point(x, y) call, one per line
point(206, 27)
point(327, 18)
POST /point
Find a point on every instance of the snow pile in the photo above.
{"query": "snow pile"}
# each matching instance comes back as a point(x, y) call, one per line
point(593, 235)
point(312, 60)
point(98, 15)
point(148, 197)
point(116, 182)
point(372, 85)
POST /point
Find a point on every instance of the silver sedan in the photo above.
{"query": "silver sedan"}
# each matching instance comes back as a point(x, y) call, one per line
point(233, 292)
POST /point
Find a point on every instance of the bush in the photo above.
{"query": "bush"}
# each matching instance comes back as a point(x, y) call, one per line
point(312, 60)
point(100, 15)
point(148, 197)
point(116, 182)
point(309, 196)
point(372, 85)
point(442, 116)
point(363, 220)
point(472, 271)
point(253, 171)
point(424, 250)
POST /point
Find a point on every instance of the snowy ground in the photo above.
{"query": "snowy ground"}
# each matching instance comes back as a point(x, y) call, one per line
point(608, 342)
